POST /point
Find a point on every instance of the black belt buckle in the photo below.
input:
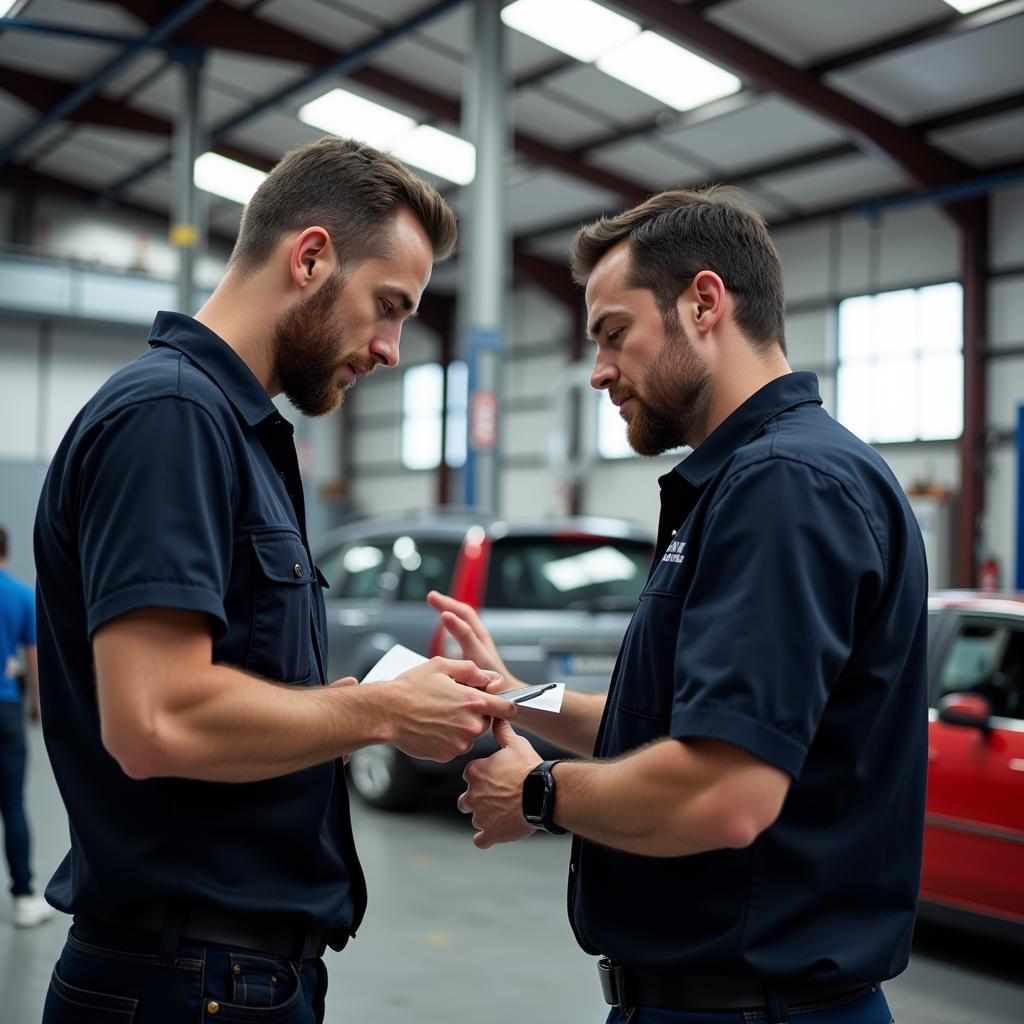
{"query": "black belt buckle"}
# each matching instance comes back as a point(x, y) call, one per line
point(610, 975)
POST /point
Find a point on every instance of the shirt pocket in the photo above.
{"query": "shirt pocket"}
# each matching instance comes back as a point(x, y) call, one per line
point(280, 641)
point(648, 666)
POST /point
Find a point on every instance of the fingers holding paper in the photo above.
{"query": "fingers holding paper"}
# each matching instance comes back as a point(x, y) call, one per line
point(494, 794)
point(442, 708)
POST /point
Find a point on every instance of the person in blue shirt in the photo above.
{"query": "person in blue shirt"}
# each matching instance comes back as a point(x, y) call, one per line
point(748, 828)
point(17, 636)
point(196, 739)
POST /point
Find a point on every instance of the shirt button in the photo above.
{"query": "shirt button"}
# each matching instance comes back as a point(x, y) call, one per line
point(297, 570)
point(213, 1006)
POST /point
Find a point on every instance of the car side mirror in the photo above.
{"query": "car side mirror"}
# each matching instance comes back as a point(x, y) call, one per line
point(968, 709)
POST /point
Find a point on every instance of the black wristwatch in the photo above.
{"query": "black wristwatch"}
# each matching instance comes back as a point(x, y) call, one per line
point(539, 798)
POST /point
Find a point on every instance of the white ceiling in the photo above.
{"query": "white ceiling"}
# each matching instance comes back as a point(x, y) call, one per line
point(568, 113)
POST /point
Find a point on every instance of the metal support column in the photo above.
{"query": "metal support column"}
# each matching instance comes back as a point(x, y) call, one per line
point(484, 256)
point(1019, 580)
point(971, 506)
point(185, 232)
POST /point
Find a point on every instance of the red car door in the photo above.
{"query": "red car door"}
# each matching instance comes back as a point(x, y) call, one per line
point(974, 835)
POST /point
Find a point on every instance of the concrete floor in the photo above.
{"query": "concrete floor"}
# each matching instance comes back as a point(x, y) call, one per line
point(454, 935)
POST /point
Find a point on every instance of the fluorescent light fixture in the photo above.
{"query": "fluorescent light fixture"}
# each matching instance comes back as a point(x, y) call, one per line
point(580, 28)
point(969, 6)
point(439, 153)
point(344, 113)
point(228, 178)
point(654, 65)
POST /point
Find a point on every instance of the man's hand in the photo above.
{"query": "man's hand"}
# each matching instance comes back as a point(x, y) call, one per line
point(463, 624)
point(494, 796)
point(440, 708)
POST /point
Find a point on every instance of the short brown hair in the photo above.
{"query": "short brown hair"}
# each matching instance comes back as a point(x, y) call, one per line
point(675, 235)
point(347, 187)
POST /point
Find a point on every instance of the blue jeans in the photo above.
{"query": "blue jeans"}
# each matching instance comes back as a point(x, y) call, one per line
point(109, 974)
point(869, 1008)
point(12, 796)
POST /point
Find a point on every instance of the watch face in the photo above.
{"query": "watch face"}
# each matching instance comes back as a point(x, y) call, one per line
point(535, 793)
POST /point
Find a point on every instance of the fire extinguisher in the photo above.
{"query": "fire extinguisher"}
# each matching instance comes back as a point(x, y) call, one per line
point(988, 574)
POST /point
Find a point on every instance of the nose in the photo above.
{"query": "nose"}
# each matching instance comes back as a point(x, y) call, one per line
point(384, 350)
point(604, 373)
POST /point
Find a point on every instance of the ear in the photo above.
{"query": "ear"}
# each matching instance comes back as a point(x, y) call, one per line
point(702, 305)
point(311, 258)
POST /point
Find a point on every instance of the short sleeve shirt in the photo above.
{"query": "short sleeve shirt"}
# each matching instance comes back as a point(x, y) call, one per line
point(785, 614)
point(17, 630)
point(177, 486)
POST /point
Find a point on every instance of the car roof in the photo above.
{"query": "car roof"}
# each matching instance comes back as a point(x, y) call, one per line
point(1007, 603)
point(453, 523)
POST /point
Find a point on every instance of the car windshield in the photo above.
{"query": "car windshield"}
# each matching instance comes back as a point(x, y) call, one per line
point(573, 572)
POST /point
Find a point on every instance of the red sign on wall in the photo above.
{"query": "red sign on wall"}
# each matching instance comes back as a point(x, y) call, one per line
point(483, 421)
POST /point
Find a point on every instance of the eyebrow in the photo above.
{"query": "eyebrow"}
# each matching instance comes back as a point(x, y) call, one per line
point(595, 328)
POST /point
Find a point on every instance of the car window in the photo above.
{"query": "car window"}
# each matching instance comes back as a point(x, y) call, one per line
point(548, 573)
point(425, 565)
point(987, 658)
point(361, 569)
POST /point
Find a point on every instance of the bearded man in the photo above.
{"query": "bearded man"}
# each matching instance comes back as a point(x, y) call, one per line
point(186, 711)
point(748, 828)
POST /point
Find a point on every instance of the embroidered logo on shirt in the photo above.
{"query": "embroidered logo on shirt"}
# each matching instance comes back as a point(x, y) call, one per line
point(674, 552)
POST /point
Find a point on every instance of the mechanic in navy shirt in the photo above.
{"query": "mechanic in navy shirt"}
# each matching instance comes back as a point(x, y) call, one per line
point(186, 709)
point(748, 834)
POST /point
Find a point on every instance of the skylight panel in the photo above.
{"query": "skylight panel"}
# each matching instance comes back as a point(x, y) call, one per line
point(655, 65)
point(581, 28)
point(227, 178)
point(352, 117)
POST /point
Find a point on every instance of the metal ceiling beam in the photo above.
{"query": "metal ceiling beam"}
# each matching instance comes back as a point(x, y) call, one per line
point(227, 27)
point(41, 93)
point(165, 28)
point(946, 27)
point(872, 132)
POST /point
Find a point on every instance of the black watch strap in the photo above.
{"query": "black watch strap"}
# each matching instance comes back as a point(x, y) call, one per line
point(539, 798)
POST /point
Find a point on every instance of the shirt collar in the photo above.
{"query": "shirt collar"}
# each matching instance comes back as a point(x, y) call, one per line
point(218, 360)
point(746, 422)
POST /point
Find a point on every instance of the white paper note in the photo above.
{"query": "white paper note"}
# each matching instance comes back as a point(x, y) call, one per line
point(549, 700)
point(398, 660)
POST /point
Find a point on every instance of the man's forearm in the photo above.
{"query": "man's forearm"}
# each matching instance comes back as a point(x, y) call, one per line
point(670, 799)
point(574, 728)
point(231, 727)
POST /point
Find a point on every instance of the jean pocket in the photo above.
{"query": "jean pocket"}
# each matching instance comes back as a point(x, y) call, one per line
point(260, 981)
point(73, 1005)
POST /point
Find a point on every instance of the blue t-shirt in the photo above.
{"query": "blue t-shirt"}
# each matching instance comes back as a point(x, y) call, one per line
point(785, 614)
point(178, 486)
point(17, 629)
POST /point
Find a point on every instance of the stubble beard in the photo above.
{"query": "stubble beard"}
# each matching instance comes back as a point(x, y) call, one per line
point(677, 395)
point(307, 341)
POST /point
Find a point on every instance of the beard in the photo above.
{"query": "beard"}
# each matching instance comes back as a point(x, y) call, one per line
point(677, 396)
point(307, 341)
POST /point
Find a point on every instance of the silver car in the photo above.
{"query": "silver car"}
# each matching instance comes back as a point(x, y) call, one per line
point(556, 596)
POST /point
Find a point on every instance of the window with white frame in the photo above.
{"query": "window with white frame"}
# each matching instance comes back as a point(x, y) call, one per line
point(901, 364)
point(422, 391)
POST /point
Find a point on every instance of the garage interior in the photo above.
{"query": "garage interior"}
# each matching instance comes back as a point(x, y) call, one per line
point(882, 141)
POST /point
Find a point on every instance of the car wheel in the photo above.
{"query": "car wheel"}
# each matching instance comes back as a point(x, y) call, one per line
point(383, 777)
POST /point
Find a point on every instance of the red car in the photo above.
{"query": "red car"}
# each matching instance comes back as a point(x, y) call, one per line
point(973, 872)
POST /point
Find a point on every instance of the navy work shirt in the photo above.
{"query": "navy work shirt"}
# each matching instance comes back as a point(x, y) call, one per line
point(785, 614)
point(177, 486)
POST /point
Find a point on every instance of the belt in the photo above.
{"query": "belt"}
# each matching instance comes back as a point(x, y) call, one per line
point(281, 936)
point(628, 987)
